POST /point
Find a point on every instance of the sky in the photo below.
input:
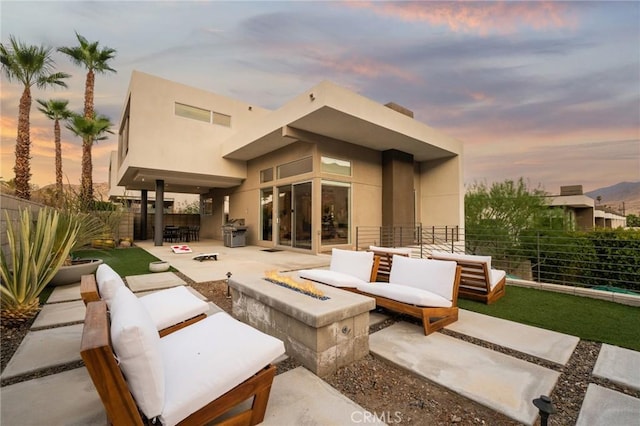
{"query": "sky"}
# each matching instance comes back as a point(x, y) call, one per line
point(546, 91)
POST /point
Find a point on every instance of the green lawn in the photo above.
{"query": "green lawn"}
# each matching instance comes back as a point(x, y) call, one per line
point(589, 319)
point(125, 261)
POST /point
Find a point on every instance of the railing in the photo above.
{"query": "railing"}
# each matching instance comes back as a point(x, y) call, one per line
point(599, 259)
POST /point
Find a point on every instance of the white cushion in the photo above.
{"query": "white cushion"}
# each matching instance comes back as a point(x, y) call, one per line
point(464, 257)
point(136, 343)
point(356, 263)
point(209, 358)
point(435, 276)
point(108, 282)
point(406, 294)
point(496, 276)
point(393, 250)
point(336, 279)
point(172, 306)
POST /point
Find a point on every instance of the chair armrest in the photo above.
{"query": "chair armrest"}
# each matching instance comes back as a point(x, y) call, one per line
point(89, 289)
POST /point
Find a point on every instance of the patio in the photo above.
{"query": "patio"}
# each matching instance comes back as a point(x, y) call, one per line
point(463, 366)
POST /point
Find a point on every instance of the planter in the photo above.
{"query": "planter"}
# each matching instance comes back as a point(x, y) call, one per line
point(71, 274)
point(159, 266)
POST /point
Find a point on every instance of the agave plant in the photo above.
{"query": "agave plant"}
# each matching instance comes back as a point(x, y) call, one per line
point(36, 253)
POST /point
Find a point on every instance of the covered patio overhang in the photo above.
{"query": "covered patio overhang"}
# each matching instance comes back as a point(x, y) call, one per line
point(140, 178)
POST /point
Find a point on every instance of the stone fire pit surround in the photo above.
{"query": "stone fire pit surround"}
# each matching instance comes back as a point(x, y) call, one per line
point(323, 335)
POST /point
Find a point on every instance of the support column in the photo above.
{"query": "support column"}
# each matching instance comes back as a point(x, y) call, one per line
point(144, 197)
point(397, 198)
point(159, 216)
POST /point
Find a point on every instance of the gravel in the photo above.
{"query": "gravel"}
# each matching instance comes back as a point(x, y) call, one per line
point(394, 394)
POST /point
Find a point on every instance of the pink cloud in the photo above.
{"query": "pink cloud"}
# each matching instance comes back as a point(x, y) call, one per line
point(478, 17)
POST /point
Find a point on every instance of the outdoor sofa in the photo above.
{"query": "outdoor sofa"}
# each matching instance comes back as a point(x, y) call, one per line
point(385, 255)
point(478, 281)
point(423, 288)
point(189, 377)
point(347, 269)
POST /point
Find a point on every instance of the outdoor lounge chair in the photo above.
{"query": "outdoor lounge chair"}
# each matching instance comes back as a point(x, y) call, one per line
point(386, 259)
point(423, 288)
point(170, 309)
point(190, 377)
point(347, 269)
point(478, 281)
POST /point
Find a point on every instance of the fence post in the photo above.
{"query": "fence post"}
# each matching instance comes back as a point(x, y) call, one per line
point(538, 253)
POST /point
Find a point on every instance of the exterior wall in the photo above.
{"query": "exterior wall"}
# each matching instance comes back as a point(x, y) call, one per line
point(12, 206)
point(366, 190)
point(584, 218)
point(158, 139)
point(441, 192)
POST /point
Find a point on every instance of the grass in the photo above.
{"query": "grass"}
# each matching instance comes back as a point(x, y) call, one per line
point(588, 319)
point(125, 261)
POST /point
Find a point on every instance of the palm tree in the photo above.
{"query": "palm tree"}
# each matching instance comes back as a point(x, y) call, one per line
point(30, 65)
point(90, 130)
point(95, 60)
point(56, 110)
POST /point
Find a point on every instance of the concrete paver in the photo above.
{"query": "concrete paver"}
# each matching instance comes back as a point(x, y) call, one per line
point(45, 348)
point(65, 293)
point(155, 281)
point(606, 407)
point(545, 344)
point(59, 313)
point(500, 382)
point(299, 397)
point(619, 365)
point(67, 398)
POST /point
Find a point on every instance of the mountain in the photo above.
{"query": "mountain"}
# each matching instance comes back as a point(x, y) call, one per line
point(615, 195)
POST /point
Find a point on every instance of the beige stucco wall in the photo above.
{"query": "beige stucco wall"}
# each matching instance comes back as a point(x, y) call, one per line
point(441, 192)
point(158, 139)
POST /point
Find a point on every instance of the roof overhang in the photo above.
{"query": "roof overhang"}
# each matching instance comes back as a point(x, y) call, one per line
point(331, 111)
point(139, 178)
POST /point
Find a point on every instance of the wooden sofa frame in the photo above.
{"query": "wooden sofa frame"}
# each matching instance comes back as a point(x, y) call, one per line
point(433, 318)
point(383, 262)
point(99, 359)
point(90, 293)
point(475, 281)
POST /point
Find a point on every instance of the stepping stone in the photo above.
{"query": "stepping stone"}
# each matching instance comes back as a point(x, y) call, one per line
point(376, 318)
point(619, 365)
point(299, 397)
point(546, 344)
point(67, 398)
point(65, 293)
point(154, 281)
point(500, 382)
point(606, 407)
point(45, 348)
point(59, 313)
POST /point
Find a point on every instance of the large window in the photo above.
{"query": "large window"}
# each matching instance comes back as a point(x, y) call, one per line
point(335, 166)
point(336, 218)
point(266, 214)
point(298, 167)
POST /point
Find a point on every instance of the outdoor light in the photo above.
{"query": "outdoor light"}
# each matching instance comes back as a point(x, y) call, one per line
point(228, 289)
point(545, 408)
point(313, 98)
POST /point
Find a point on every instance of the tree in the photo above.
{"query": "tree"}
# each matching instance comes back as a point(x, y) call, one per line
point(29, 65)
point(633, 221)
point(56, 110)
point(95, 60)
point(90, 130)
point(496, 216)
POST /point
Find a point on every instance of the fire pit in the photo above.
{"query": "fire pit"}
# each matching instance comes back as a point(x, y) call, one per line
point(322, 333)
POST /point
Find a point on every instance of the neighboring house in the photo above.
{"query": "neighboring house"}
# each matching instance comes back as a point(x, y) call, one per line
point(581, 210)
point(303, 176)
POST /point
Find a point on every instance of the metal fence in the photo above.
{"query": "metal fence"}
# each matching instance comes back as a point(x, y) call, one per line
point(600, 259)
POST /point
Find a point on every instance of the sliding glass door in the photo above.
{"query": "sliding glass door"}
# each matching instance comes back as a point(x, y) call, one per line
point(294, 215)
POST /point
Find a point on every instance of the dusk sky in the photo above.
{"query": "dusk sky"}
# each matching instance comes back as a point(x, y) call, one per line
point(548, 91)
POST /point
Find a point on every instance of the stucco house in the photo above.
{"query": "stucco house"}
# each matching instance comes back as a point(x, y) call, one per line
point(303, 176)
